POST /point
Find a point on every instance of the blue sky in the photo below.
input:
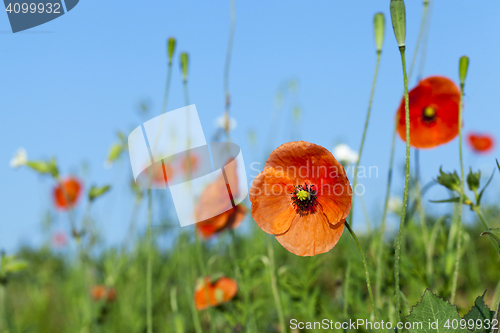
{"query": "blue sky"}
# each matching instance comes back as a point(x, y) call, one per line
point(69, 85)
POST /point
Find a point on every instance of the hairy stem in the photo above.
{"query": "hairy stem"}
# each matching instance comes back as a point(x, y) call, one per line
point(461, 199)
point(149, 273)
point(274, 285)
point(367, 273)
point(397, 253)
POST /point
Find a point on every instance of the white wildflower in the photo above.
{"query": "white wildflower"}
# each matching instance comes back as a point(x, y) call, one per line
point(220, 122)
point(20, 159)
point(344, 154)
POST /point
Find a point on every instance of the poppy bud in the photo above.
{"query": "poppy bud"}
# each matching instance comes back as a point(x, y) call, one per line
point(398, 16)
point(379, 28)
point(449, 180)
point(96, 192)
point(464, 65)
point(184, 65)
point(171, 49)
point(473, 179)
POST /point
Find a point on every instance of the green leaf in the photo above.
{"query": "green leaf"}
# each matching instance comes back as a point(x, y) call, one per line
point(114, 152)
point(498, 165)
point(492, 235)
point(96, 192)
point(457, 199)
point(484, 188)
point(433, 310)
point(480, 311)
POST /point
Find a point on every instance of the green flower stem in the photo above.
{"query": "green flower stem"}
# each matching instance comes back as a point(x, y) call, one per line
point(461, 199)
point(378, 274)
point(149, 272)
point(196, 319)
point(241, 282)
point(367, 273)
point(397, 253)
point(419, 38)
point(391, 160)
point(355, 181)
point(3, 312)
point(274, 285)
point(481, 216)
point(227, 66)
point(167, 87)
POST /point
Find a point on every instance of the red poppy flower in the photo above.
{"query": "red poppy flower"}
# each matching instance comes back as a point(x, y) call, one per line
point(213, 199)
point(302, 197)
point(480, 143)
point(192, 165)
point(100, 292)
point(59, 239)
point(158, 173)
point(221, 291)
point(434, 107)
point(67, 193)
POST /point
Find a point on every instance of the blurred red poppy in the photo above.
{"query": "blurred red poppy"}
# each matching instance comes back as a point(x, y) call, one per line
point(67, 193)
point(214, 199)
point(101, 292)
point(190, 163)
point(480, 143)
point(219, 292)
point(434, 106)
point(160, 172)
point(59, 239)
point(302, 197)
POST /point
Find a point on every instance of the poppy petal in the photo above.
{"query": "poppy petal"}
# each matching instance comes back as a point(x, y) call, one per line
point(305, 162)
point(271, 204)
point(311, 234)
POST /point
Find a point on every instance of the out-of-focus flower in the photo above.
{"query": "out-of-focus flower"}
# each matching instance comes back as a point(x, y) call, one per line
point(101, 292)
point(302, 197)
point(190, 166)
point(345, 154)
point(220, 123)
point(434, 106)
point(213, 200)
point(218, 292)
point(157, 173)
point(59, 240)
point(395, 204)
point(480, 143)
point(67, 193)
point(20, 159)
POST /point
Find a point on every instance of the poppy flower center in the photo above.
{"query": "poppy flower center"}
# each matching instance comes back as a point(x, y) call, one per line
point(304, 198)
point(429, 113)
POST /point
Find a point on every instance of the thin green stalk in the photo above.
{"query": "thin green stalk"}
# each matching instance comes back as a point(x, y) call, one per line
point(419, 38)
point(461, 199)
point(204, 273)
point(3, 305)
point(167, 87)
point(196, 320)
point(274, 285)
point(482, 218)
point(227, 66)
point(355, 181)
point(367, 273)
point(347, 280)
point(149, 272)
point(378, 277)
point(397, 253)
point(241, 283)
